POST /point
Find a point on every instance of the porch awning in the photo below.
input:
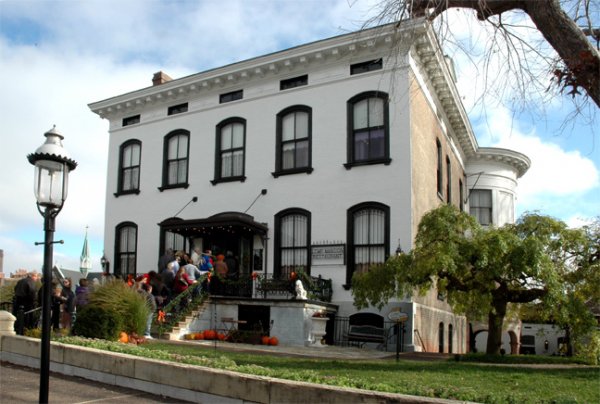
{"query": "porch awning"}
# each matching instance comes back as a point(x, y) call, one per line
point(232, 222)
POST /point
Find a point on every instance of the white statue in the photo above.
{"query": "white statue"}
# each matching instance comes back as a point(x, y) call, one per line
point(300, 291)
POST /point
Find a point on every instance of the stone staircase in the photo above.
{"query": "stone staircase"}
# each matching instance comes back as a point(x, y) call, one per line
point(178, 329)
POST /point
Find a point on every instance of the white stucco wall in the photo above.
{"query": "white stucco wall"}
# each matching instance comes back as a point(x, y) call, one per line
point(327, 192)
point(501, 178)
point(331, 189)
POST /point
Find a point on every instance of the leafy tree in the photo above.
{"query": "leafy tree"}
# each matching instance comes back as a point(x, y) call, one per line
point(481, 271)
point(581, 294)
point(569, 27)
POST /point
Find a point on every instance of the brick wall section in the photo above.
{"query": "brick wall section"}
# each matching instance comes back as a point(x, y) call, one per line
point(429, 335)
point(425, 130)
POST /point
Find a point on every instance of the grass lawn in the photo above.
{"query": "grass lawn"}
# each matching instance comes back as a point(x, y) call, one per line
point(455, 380)
point(470, 381)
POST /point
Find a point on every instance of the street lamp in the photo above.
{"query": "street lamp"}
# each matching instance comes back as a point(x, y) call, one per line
point(105, 265)
point(52, 165)
point(399, 249)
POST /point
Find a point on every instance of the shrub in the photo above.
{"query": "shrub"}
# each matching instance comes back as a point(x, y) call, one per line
point(588, 350)
point(121, 305)
point(128, 303)
point(7, 292)
point(98, 322)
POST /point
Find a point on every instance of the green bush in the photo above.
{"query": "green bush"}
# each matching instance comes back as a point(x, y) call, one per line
point(588, 349)
point(97, 322)
point(128, 307)
point(7, 292)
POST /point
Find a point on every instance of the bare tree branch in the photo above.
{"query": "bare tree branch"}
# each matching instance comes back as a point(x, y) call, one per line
point(577, 72)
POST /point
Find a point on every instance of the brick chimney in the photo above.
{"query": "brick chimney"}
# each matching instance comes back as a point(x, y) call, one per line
point(160, 78)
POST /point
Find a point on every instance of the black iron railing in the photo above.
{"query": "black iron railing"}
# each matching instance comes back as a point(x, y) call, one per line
point(245, 286)
point(178, 308)
point(317, 288)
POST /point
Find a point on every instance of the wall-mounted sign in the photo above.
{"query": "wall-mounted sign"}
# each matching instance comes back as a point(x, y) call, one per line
point(328, 254)
point(397, 316)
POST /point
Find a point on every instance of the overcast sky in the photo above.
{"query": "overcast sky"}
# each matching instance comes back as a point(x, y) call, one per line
point(58, 56)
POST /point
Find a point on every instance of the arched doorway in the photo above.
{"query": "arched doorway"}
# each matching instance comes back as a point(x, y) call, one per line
point(514, 343)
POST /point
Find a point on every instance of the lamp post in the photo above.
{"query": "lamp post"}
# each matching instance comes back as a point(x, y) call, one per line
point(105, 264)
point(52, 165)
point(399, 249)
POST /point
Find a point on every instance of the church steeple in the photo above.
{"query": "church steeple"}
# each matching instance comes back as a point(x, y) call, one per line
point(85, 262)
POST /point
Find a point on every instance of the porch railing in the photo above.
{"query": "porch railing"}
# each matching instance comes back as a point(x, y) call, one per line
point(178, 308)
point(245, 286)
point(257, 286)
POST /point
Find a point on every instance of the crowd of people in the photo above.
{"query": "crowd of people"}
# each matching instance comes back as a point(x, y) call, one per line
point(63, 301)
point(177, 272)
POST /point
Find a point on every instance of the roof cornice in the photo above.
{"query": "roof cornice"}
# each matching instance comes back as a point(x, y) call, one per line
point(417, 33)
point(518, 161)
point(236, 74)
point(431, 58)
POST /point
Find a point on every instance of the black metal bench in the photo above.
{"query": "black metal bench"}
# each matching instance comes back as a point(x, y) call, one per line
point(367, 327)
point(361, 334)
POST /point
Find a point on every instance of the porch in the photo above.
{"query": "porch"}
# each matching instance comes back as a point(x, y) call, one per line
point(292, 321)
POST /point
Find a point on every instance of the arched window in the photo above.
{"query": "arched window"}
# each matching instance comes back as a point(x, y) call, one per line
point(448, 180)
point(230, 150)
point(461, 192)
point(439, 173)
point(292, 242)
point(368, 237)
point(125, 249)
point(441, 337)
point(294, 134)
point(368, 129)
point(176, 159)
point(129, 167)
point(450, 337)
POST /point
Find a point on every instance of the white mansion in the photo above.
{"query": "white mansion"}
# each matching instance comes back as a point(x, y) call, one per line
point(322, 157)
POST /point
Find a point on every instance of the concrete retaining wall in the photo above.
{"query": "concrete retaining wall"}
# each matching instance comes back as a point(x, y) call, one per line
point(184, 382)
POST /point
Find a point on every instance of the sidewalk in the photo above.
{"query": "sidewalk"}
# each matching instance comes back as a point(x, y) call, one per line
point(322, 352)
point(20, 384)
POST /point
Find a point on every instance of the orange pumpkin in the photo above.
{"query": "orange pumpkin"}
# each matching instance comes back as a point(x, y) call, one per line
point(199, 335)
point(123, 337)
point(210, 334)
point(273, 341)
point(265, 340)
point(221, 336)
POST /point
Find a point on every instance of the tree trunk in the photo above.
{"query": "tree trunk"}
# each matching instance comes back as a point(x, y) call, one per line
point(495, 322)
point(571, 44)
point(569, 342)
